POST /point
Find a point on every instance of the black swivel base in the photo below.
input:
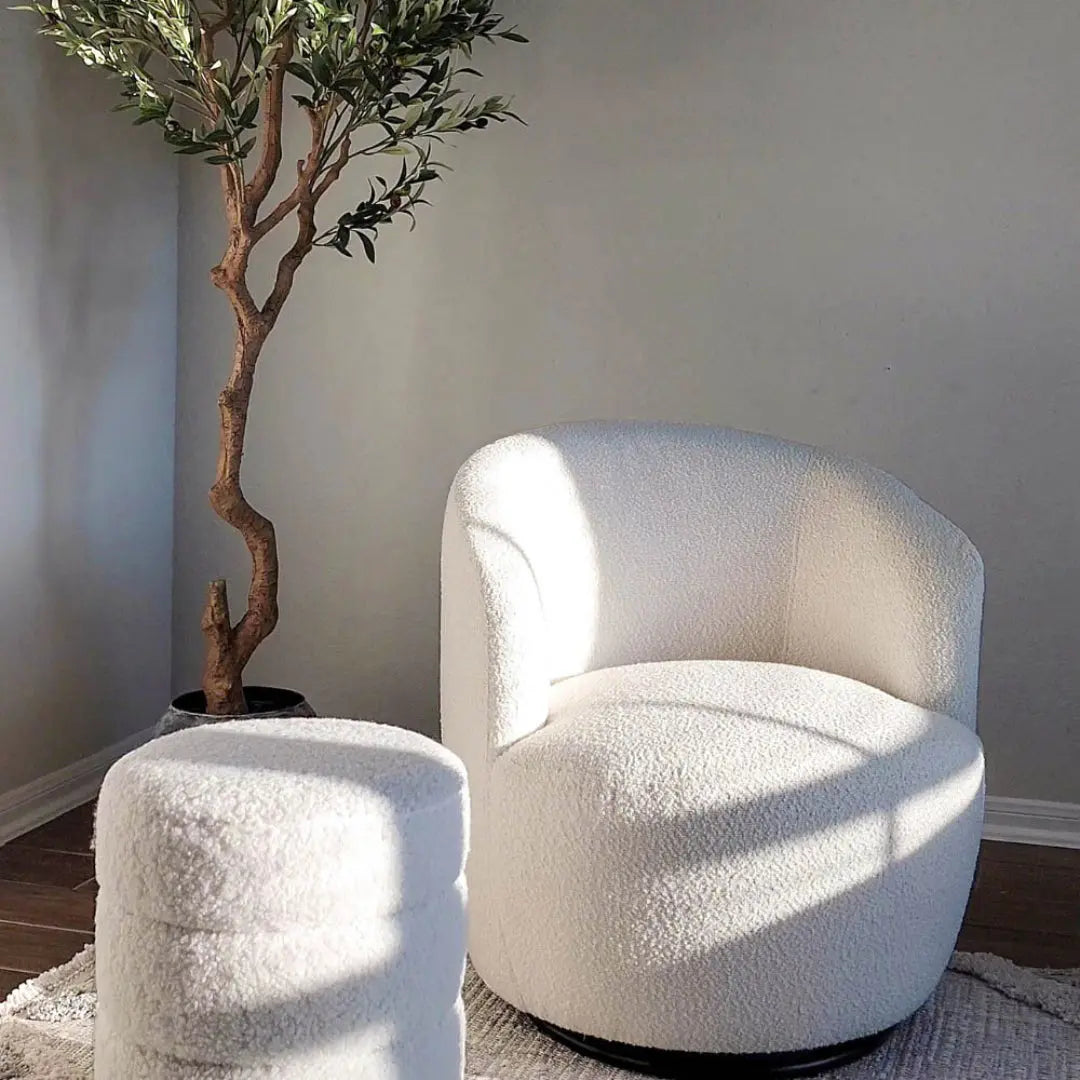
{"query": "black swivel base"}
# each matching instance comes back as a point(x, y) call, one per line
point(687, 1065)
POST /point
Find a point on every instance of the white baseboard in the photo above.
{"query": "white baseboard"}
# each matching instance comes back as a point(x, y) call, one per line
point(1032, 821)
point(41, 800)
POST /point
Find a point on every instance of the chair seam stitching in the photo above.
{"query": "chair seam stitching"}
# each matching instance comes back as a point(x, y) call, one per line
point(812, 459)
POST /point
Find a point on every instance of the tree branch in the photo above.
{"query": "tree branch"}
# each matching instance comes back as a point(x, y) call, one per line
point(305, 200)
point(291, 260)
point(216, 624)
point(230, 648)
point(291, 201)
point(227, 16)
point(223, 692)
point(332, 174)
point(230, 275)
point(266, 172)
point(231, 505)
point(276, 216)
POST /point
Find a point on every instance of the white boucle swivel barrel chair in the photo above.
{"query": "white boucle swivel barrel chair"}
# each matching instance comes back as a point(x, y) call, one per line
point(716, 697)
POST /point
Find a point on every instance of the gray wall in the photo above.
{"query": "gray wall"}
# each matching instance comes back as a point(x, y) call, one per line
point(849, 222)
point(87, 393)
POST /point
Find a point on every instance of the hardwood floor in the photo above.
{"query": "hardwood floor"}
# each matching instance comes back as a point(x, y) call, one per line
point(46, 897)
point(1025, 904)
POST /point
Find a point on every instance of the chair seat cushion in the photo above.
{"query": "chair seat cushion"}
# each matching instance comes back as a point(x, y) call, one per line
point(758, 731)
point(710, 836)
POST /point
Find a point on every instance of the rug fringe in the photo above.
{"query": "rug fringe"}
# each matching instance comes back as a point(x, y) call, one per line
point(30, 1050)
point(1056, 992)
point(38, 985)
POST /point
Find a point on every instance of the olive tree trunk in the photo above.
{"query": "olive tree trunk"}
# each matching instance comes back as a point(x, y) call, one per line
point(229, 646)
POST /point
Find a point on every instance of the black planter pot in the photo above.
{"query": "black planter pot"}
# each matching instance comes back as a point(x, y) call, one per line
point(188, 710)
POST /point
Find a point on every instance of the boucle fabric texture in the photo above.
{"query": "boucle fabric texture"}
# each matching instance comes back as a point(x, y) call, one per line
point(792, 844)
point(716, 696)
point(282, 898)
point(986, 1025)
point(987, 1020)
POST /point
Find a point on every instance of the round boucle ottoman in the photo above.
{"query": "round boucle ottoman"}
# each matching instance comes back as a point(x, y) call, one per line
point(282, 898)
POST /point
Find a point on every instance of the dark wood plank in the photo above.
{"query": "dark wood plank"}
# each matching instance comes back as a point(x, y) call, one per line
point(1030, 855)
point(1027, 947)
point(64, 869)
point(37, 948)
point(1025, 905)
point(9, 980)
point(69, 832)
point(46, 905)
point(90, 886)
point(1041, 898)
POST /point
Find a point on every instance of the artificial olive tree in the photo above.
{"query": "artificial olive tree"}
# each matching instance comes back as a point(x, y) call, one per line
point(372, 78)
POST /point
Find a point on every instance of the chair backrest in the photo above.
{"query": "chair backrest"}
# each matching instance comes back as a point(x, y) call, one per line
point(649, 542)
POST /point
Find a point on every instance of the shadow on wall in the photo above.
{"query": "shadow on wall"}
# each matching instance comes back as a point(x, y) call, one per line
point(88, 266)
point(380, 990)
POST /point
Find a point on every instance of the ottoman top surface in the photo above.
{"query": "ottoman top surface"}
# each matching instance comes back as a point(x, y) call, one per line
point(266, 771)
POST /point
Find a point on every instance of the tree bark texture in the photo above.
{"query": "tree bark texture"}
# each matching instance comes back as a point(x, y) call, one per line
point(230, 645)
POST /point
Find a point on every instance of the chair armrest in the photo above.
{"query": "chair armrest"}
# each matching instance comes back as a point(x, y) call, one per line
point(495, 683)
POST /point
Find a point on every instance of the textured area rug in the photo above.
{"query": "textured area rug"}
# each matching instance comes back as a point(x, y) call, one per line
point(988, 1020)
